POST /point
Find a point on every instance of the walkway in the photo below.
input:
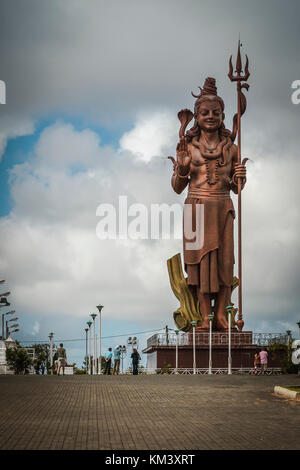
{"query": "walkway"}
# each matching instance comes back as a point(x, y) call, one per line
point(147, 412)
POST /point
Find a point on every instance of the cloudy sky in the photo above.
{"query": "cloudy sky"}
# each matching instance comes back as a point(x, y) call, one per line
point(93, 91)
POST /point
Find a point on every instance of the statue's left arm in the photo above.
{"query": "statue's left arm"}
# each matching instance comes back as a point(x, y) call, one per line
point(238, 171)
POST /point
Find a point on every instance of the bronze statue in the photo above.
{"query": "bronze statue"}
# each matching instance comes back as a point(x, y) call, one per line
point(209, 165)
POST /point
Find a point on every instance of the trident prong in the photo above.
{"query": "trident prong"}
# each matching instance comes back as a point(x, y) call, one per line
point(239, 77)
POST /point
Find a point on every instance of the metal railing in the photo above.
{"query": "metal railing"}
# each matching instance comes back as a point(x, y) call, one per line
point(216, 371)
point(218, 338)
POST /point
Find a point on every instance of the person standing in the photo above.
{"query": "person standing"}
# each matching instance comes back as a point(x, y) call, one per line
point(256, 362)
point(263, 355)
point(61, 358)
point(107, 357)
point(135, 361)
point(117, 356)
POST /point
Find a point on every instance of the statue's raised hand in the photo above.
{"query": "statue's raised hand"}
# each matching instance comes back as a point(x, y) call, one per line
point(183, 157)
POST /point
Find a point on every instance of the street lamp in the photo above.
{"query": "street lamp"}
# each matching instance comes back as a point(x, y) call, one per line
point(4, 295)
point(193, 323)
point(86, 349)
point(9, 327)
point(99, 307)
point(210, 316)
point(51, 351)
point(93, 315)
point(14, 331)
point(229, 310)
point(133, 341)
point(123, 353)
point(89, 323)
point(176, 356)
point(3, 315)
point(288, 332)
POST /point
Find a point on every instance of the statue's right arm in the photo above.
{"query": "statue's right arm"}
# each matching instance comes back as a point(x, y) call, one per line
point(178, 184)
point(181, 172)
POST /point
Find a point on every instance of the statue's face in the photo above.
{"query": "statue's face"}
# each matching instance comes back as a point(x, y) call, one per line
point(210, 115)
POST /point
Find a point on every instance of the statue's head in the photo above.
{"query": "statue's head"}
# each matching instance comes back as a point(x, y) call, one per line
point(208, 110)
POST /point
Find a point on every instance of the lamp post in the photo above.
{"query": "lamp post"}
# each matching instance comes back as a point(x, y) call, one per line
point(8, 327)
point(86, 349)
point(210, 316)
point(288, 332)
point(4, 303)
point(93, 315)
point(193, 323)
point(133, 341)
point(99, 307)
point(4, 295)
point(3, 315)
point(176, 356)
point(51, 352)
point(14, 331)
point(229, 309)
point(89, 323)
point(123, 353)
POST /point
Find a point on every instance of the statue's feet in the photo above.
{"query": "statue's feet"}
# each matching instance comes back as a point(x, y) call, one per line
point(204, 324)
point(222, 324)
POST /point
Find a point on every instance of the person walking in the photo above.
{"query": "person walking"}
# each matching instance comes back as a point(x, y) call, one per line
point(256, 362)
point(107, 357)
point(55, 363)
point(135, 361)
point(117, 356)
point(263, 360)
point(61, 358)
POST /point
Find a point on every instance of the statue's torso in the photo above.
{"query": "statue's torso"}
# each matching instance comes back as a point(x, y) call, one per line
point(210, 174)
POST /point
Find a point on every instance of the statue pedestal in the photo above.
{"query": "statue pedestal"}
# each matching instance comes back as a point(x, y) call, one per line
point(161, 351)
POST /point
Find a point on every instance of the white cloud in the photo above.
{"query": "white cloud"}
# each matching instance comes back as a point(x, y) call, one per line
point(35, 328)
point(151, 136)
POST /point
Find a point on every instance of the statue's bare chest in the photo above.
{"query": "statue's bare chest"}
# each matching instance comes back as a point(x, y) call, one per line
point(212, 170)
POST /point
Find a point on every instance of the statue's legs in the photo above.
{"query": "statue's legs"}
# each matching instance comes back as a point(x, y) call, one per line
point(205, 307)
point(223, 297)
point(222, 302)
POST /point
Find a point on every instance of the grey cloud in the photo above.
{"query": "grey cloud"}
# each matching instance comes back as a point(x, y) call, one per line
point(109, 60)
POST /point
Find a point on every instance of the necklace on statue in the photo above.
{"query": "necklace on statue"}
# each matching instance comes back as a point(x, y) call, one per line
point(210, 153)
point(208, 147)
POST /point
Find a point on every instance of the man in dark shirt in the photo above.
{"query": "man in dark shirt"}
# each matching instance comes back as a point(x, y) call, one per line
point(62, 356)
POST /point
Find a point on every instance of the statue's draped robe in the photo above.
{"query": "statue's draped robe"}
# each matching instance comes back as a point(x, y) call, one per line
point(211, 266)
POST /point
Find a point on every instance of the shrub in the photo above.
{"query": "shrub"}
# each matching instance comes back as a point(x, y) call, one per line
point(166, 369)
point(19, 360)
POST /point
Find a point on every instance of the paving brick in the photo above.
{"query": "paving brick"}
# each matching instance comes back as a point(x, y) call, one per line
point(147, 412)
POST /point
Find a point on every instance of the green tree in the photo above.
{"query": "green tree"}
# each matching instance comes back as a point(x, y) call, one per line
point(287, 366)
point(41, 357)
point(19, 360)
point(86, 361)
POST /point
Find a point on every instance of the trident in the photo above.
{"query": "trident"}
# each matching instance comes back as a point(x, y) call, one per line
point(241, 103)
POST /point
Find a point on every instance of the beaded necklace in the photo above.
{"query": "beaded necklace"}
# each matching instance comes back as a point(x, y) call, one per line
point(214, 158)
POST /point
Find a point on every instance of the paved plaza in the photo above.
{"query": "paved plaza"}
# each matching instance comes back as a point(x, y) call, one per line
point(147, 412)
